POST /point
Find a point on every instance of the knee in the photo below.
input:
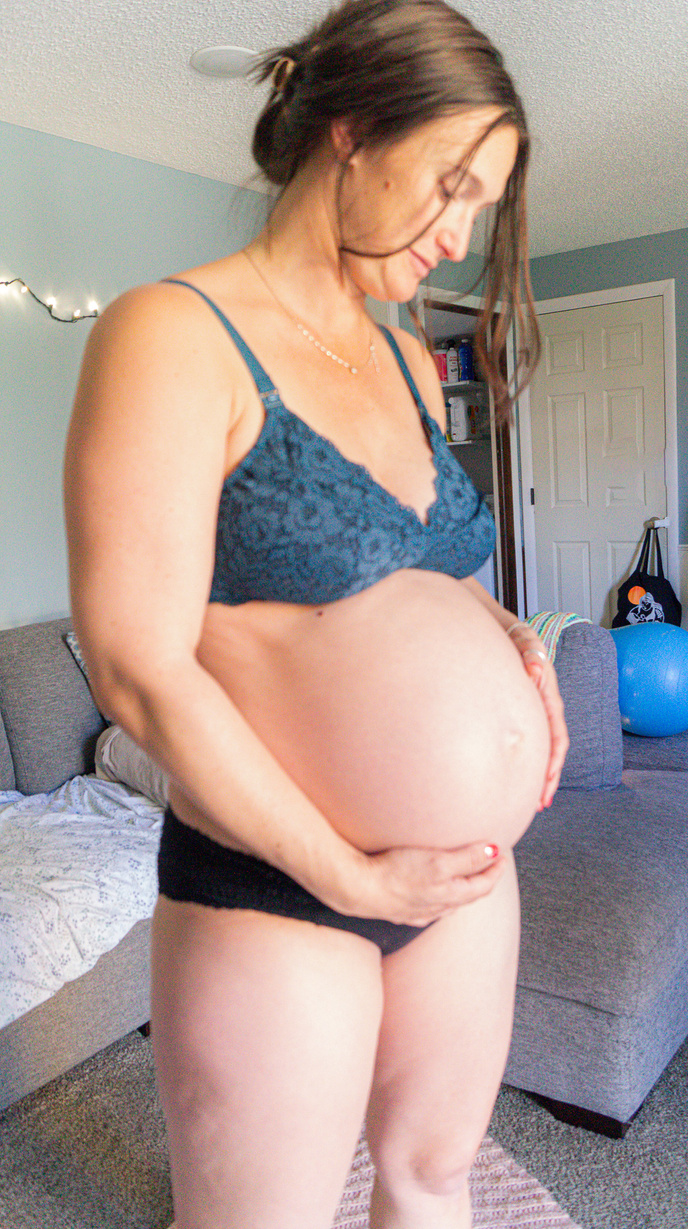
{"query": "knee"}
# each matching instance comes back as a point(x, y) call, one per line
point(438, 1168)
point(443, 1174)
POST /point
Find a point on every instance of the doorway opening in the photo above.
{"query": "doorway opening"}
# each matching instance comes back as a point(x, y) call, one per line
point(487, 455)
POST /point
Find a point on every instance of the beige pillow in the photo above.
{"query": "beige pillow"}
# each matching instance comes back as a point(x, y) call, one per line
point(119, 758)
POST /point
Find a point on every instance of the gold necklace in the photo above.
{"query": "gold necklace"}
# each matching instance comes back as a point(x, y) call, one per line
point(372, 352)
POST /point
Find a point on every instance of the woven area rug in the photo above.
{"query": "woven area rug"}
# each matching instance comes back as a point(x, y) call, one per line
point(504, 1196)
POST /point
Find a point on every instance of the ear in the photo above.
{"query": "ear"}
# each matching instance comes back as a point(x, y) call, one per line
point(341, 136)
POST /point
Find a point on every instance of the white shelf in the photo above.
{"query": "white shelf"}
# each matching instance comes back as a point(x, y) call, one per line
point(478, 385)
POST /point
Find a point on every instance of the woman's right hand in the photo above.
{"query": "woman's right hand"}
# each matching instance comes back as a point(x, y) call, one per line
point(417, 886)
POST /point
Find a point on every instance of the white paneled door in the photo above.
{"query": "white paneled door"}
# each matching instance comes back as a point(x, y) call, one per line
point(598, 439)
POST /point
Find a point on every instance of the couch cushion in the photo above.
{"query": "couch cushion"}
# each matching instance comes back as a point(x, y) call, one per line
point(6, 766)
point(49, 716)
point(669, 754)
point(588, 679)
point(604, 886)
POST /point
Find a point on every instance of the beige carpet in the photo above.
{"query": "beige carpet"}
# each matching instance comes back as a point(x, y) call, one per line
point(504, 1195)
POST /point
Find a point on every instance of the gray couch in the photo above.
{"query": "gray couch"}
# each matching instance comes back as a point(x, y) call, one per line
point(48, 730)
point(602, 1000)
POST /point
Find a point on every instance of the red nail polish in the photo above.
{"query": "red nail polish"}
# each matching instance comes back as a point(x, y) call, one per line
point(491, 851)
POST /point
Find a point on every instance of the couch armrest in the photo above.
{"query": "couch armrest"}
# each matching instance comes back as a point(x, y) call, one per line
point(588, 679)
point(50, 720)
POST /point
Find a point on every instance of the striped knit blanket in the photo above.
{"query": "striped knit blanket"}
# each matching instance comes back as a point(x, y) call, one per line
point(549, 625)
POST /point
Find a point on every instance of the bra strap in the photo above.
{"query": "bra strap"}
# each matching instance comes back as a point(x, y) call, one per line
point(394, 346)
point(265, 385)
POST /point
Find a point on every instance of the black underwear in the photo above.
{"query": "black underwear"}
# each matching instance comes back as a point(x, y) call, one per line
point(193, 867)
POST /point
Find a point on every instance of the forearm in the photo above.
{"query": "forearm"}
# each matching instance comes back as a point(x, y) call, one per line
point(182, 717)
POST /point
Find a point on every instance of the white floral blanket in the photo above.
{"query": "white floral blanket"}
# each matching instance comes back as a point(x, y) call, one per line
point(77, 871)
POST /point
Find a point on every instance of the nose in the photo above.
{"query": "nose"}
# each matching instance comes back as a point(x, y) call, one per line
point(454, 231)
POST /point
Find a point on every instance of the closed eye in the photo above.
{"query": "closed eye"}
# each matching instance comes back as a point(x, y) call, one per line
point(449, 185)
point(461, 183)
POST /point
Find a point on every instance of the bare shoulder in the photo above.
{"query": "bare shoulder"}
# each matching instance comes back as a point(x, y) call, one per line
point(422, 367)
point(160, 359)
point(163, 329)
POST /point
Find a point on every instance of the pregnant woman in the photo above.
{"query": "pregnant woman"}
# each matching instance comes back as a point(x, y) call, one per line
point(272, 554)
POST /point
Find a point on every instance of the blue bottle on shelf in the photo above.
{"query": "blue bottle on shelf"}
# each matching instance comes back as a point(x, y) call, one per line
point(466, 370)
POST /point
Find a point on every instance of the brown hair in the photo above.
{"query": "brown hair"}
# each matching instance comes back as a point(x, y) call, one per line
point(389, 66)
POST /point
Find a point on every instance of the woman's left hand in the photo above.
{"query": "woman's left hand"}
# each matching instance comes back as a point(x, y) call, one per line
point(541, 671)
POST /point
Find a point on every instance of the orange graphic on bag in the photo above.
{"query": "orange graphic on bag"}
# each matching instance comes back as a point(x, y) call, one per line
point(635, 594)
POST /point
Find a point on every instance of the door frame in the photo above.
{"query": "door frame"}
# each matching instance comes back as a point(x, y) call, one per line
point(459, 299)
point(597, 298)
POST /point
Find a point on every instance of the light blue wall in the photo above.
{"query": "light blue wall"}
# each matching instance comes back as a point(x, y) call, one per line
point(77, 222)
point(650, 259)
point(449, 276)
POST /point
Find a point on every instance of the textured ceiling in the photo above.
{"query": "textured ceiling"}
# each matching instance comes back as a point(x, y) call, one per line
point(605, 84)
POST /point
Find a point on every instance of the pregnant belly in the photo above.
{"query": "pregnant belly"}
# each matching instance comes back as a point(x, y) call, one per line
point(404, 712)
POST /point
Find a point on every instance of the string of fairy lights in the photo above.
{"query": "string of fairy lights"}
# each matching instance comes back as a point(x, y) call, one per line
point(50, 303)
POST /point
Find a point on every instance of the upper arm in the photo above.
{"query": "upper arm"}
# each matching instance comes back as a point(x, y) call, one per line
point(422, 367)
point(145, 460)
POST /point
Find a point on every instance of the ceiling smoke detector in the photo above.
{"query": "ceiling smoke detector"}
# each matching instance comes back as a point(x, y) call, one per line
point(223, 61)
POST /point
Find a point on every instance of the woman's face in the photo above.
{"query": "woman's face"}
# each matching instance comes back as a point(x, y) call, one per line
point(415, 200)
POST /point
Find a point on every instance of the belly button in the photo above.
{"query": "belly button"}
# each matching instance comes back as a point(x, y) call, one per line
point(514, 739)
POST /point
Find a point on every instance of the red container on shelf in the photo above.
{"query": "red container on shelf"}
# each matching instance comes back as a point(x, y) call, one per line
point(440, 357)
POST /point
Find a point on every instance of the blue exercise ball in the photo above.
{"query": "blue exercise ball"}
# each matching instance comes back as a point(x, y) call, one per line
point(653, 678)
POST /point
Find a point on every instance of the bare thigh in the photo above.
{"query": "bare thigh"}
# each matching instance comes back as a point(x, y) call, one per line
point(443, 1045)
point(265, 1032)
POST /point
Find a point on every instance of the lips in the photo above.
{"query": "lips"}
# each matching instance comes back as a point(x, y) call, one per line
point(422, 265)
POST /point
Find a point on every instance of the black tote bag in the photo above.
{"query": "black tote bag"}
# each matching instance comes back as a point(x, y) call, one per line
point(646, 598)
